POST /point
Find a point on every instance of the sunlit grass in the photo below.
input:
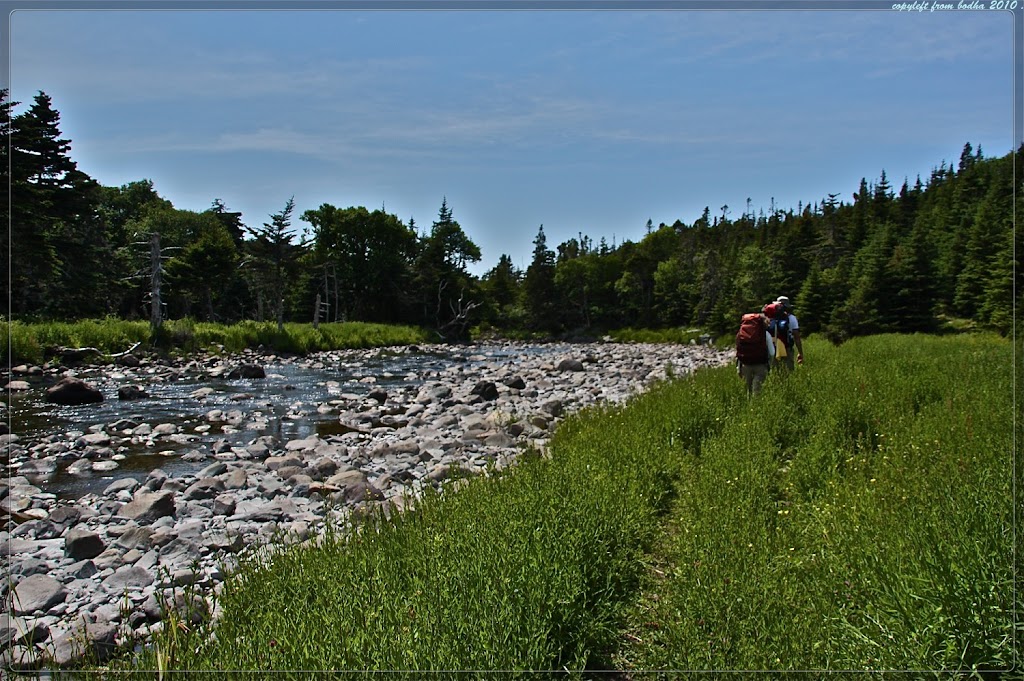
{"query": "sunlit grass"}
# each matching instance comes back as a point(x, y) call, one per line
point(855, 515)
point(29, 342)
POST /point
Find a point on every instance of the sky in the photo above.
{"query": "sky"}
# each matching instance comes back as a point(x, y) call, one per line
point(585, 121)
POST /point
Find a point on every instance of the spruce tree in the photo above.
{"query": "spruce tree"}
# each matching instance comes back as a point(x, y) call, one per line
point(539, 286)
point(60, 250)
point(203, 272)
point(502, 285)
point(272, 257)
point(910, 281)
point(981, 261)
point(445, 289)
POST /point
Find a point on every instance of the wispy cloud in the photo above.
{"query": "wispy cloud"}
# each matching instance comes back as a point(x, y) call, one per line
point(872, 38)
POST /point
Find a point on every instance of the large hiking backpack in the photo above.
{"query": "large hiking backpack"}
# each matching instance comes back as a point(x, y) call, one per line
point(751, 346)
point(779, 328)
point(773, 311)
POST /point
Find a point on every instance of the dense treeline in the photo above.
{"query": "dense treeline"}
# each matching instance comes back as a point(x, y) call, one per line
point(890, 260)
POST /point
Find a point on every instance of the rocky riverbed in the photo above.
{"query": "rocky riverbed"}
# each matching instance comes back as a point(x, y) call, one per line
point(99, 570)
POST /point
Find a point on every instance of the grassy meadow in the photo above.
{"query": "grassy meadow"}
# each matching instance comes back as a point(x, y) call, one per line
point(27, 342)
point(857, 515)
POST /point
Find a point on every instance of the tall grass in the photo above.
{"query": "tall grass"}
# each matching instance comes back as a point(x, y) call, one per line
point(517, 572)
point(855, 515)
point(21, 342)
point(27, 342)
point(858, 515)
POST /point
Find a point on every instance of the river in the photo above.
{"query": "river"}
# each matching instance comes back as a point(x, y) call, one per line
point(284, 404)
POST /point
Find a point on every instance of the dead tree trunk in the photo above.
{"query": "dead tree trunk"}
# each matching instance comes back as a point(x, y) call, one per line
point(155, 313)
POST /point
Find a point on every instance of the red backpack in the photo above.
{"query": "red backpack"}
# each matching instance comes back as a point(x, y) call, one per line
point(773, 311)
point(751, 344)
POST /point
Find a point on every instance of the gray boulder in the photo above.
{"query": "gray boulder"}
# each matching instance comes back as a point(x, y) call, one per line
point(147, 507)
point(129, 361)
point(224, 504)
point(91, 640)
point(570, 365)
point(247, 371)
point(73, 391)
point(362, 491)
point(515, 382)
point(127, 576)
point(81, 544)
point(205, 488)
point(131, 392)
point(37, 593)
point(137, 537)
point(127, 484)
point(486, 390)
point(17, 631)
point(38, 528)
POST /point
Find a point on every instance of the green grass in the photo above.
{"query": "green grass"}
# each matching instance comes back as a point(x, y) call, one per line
point(855, 515)
point(525, 571)
point(858, 515)
point(28, 342)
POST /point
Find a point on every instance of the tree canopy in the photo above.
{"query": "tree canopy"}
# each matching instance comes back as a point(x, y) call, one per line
point(881, 260)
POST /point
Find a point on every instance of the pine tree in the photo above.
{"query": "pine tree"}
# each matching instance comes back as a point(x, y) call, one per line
point(446, 291)
point(231, 221)
point(996, 302)
point(967, 160)
point(272, 257)
point(985, 238)
point(60, 250)
point(203, 272)
point(539, 286)
point(909, 277)
point(502, 286)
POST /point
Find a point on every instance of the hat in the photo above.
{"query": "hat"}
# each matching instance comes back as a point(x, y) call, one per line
point(784, 301)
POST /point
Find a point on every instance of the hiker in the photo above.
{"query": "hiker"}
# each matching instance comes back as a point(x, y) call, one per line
point(785, 328)
point(755, 351)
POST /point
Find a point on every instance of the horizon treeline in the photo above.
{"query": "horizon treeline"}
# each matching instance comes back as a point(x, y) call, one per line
point(895, 259)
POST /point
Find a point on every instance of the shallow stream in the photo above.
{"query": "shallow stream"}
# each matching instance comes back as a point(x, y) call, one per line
point(283, 404)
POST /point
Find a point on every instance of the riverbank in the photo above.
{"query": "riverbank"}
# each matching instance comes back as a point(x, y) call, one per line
point(857, 515)
point(107, 562)
point(99, 339)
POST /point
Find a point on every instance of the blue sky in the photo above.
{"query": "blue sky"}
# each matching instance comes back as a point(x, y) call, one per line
point(583, 121)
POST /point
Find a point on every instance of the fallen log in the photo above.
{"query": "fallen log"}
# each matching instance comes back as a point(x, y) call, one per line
point(79, 354)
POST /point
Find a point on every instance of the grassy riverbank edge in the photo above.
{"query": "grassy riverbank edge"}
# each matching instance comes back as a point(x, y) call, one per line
point(32, 342)
point(858, 515)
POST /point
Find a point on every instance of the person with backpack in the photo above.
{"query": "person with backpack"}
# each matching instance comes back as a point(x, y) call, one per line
point(785, 328)
point(755, 351)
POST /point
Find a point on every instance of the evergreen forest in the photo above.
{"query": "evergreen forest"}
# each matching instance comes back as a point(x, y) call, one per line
point(886, 256)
